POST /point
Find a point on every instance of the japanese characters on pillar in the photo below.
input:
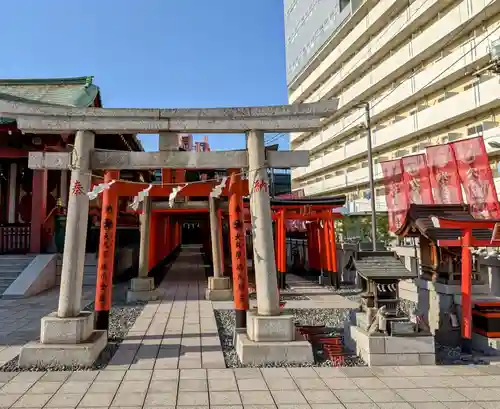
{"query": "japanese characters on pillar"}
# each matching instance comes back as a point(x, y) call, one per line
point(106, 256)
point(77, 188)
point(240, 258)
point(238, 250)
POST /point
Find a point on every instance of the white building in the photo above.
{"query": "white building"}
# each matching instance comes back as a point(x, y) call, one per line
point(414, 61)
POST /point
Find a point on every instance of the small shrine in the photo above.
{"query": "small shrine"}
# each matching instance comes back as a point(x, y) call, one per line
point(446, 201)
point(380, 332)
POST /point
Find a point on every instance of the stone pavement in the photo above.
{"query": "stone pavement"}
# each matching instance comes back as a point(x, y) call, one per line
point(20, 320)
point(172, 358)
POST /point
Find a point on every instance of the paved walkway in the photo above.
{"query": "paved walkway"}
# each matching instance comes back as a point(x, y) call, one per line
point(20, 320)
point(172, 359)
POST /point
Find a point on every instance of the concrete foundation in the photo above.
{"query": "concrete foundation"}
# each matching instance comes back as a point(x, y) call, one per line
point(142, 289)
point(381, 350)
point(271, 339)
point(82, 354)
point(275, 328)
point(219, 289)
point(258, 353)
point(65, 341)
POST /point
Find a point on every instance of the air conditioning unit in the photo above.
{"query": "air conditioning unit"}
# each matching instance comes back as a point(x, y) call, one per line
point(495, 50)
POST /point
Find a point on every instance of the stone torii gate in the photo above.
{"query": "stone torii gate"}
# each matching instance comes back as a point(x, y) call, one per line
point(68, 335)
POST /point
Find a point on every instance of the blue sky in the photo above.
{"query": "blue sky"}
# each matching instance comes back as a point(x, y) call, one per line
point(154, 53)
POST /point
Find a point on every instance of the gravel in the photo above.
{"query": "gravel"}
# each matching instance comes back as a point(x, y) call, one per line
point(122, 317)
point(284, 297)
point(334, 319)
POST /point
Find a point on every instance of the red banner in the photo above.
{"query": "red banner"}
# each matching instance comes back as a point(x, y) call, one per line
point(476, 177)
point(445, 181)
point(417, 180)
point(396, 193)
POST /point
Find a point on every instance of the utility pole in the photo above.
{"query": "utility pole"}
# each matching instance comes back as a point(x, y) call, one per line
point(370, 175)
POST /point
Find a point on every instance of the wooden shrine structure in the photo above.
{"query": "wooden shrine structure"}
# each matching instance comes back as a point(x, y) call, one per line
point(30, 202)
point(447, 233)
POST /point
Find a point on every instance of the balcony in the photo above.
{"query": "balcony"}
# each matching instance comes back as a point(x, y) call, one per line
point(384, 39)
point(465, 104)
point(371, 23)
point(424, 43)
point(365, 205)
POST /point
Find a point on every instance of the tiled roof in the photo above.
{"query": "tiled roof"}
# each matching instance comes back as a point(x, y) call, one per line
point(73, 92)
point(381, 265)
point(419, 216)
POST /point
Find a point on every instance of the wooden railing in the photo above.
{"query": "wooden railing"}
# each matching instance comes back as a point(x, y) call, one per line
point(14, 238)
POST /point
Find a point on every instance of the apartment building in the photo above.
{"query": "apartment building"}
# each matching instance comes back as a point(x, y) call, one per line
point(418, 63)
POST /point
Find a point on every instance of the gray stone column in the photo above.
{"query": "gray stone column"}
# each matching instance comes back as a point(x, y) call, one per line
point(67, 336)
point(70, 295)
point(270, 335)
point(218, 285)
point(142, 288)
point(145, 220)
point(262, 226)
point(215, 237)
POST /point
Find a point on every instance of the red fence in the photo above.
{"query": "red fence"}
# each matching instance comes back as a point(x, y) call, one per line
point(14, 238)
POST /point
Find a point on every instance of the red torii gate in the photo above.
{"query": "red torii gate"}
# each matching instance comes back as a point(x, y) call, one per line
point(322, 252)
point(466, 241)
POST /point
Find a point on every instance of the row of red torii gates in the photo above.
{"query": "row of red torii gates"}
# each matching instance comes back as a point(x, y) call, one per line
point(164, 230)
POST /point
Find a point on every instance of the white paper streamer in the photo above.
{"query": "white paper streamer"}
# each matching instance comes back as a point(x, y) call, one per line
point(173, 194)
point(140, 197)
point(217, 190)
point(97, 190)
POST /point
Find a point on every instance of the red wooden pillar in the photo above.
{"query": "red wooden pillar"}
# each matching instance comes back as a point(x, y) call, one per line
point(106, 256)
point(333, 254)
point(326, 241)
point(321, 253)
point(38, 209)
point(166, 234)
point(282, 245)
point(153, 241)
point(467, 289)
point(238, 250)
point(276, 241)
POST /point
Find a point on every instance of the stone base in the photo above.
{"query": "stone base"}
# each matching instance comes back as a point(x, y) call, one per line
point(279, 328)
point(219, 289)
point(488, 346)
point(219, 283)
point(142, 284)
point(258, 353)
point(134, 296)
point(380, 350)
point(65, 341)
point(73, 330)
point(82, 354)
point(218, 295)
point(142, 289)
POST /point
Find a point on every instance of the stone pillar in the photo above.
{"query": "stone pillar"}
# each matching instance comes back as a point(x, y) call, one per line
point(262, 232)
point(218, 285)
point(76, 228)
point(67, 336)
point(142, 288)
point(265, 324)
